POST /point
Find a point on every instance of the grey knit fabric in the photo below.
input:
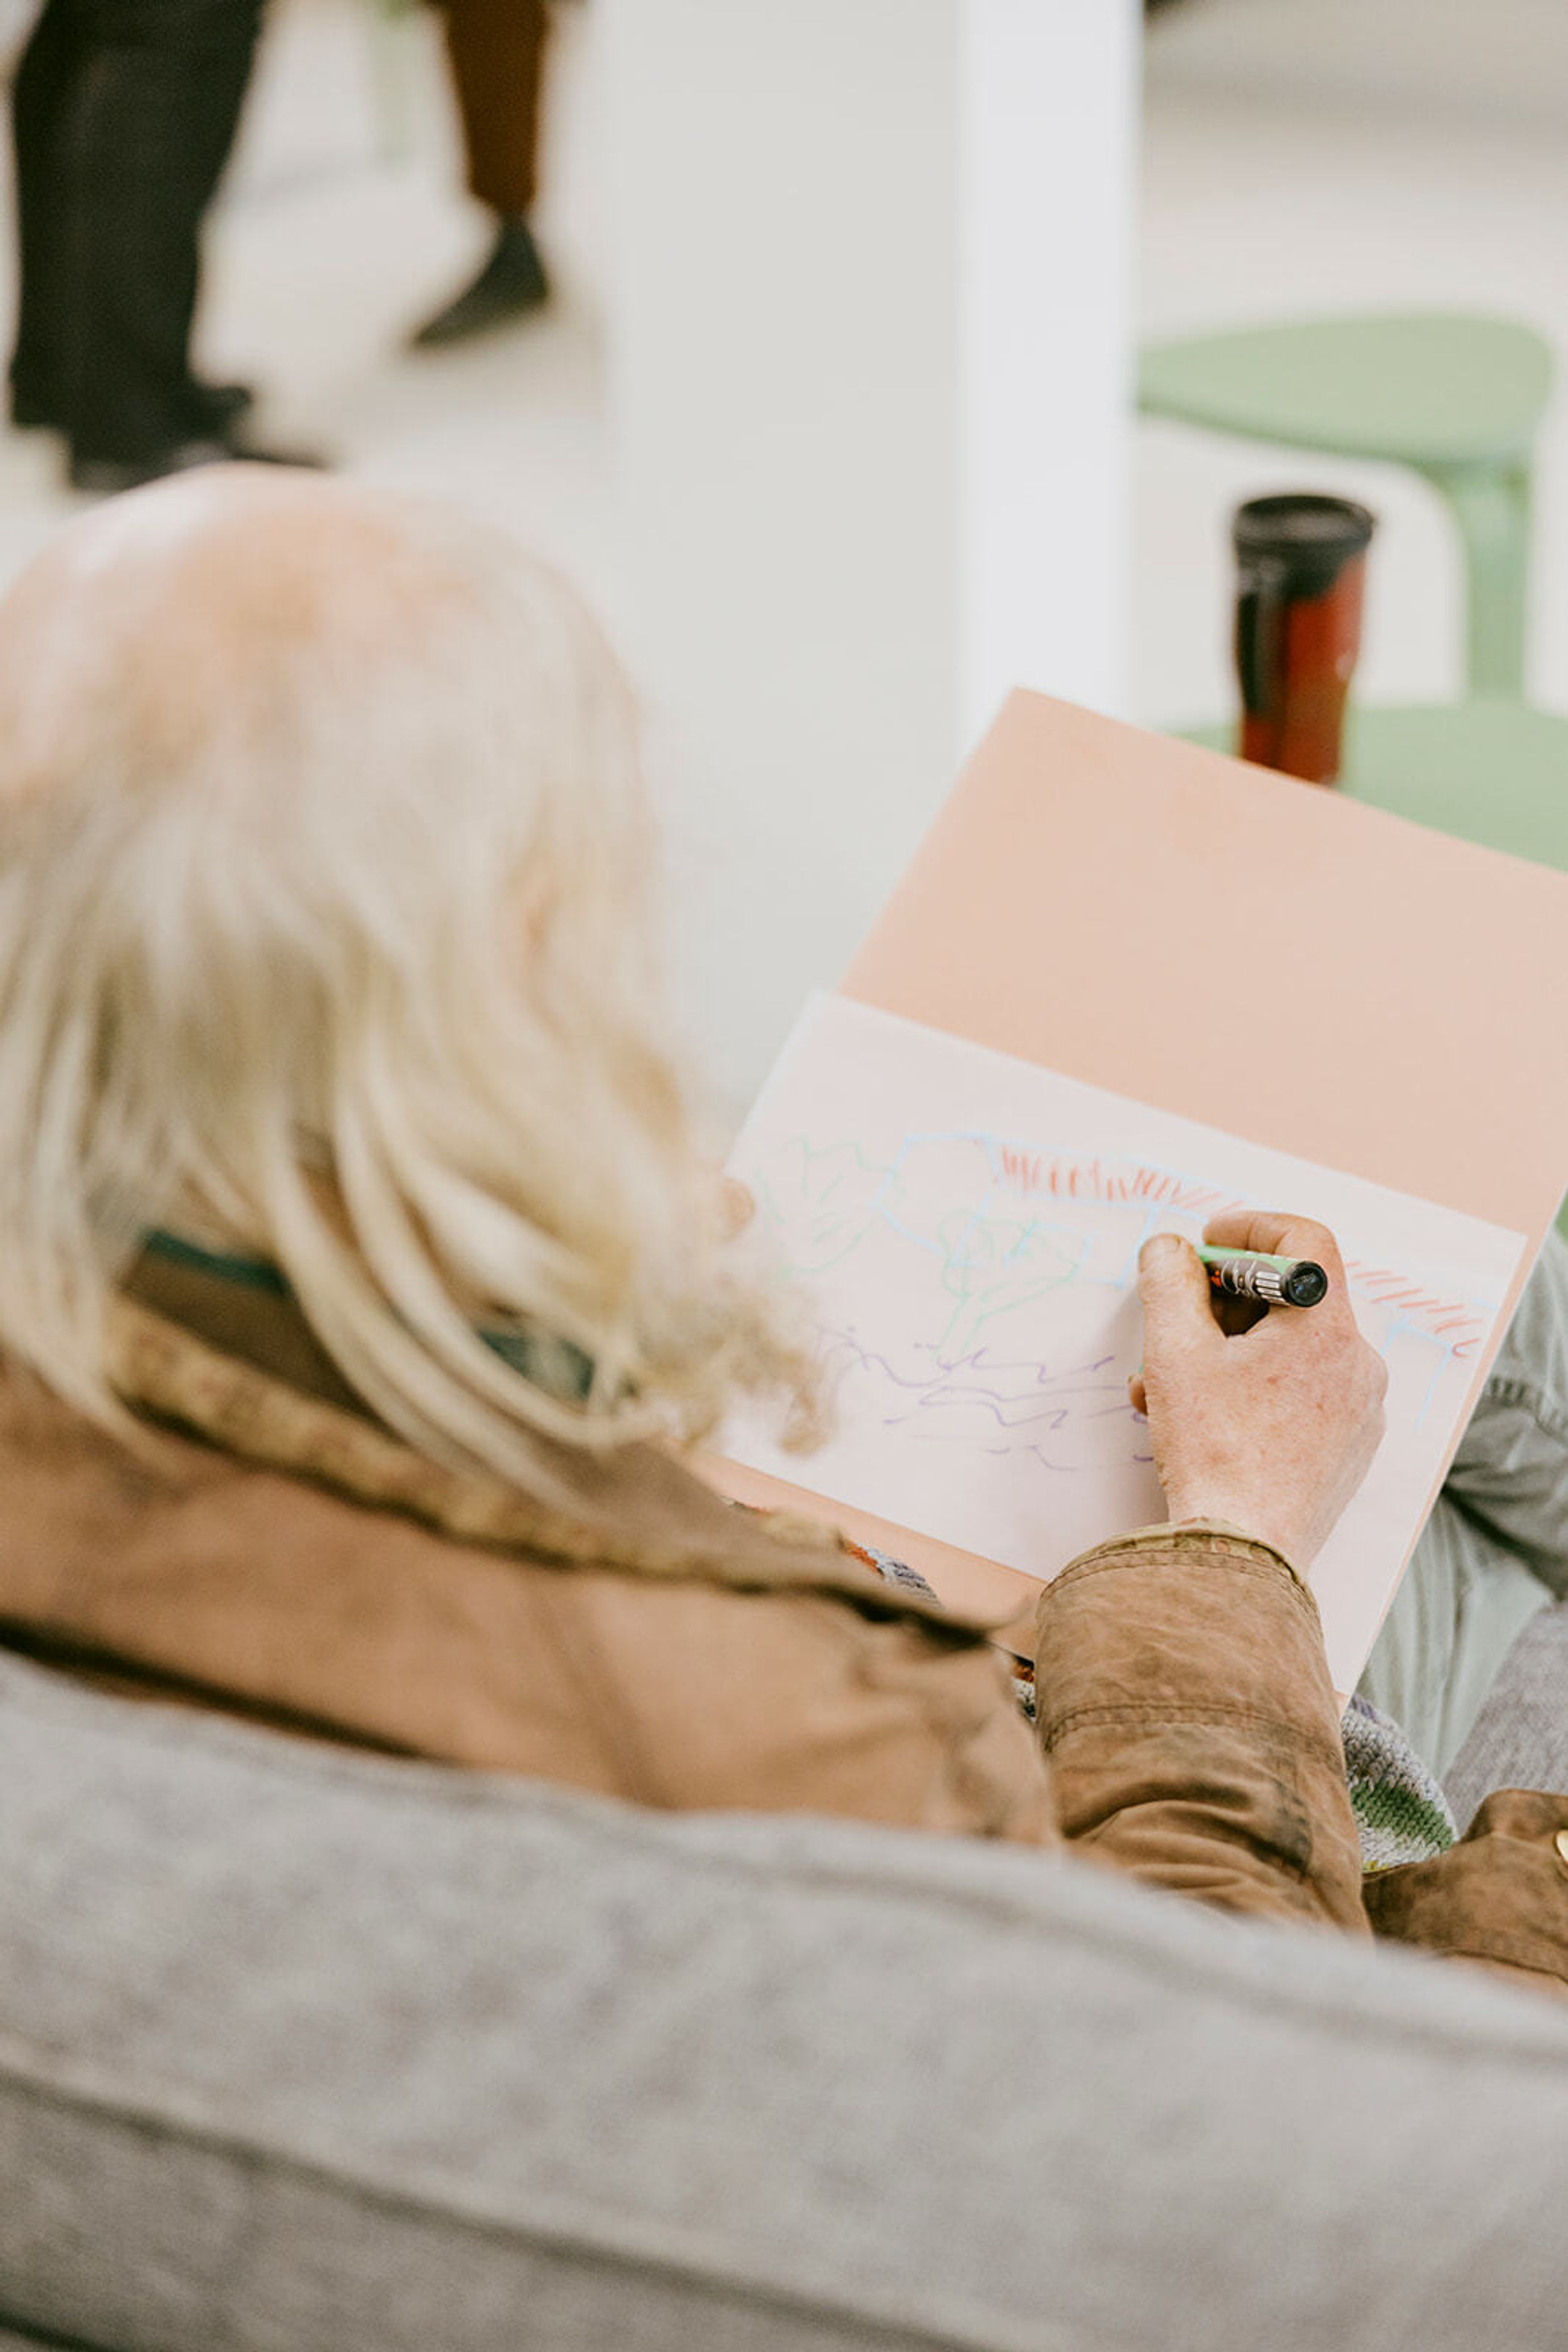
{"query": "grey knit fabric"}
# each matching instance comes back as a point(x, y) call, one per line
point(1520, 1736)
point(304, 2051)
point(1401, 1812)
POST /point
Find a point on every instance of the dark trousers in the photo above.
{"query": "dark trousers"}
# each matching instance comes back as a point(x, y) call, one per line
point(125, 113)
point(497, 49)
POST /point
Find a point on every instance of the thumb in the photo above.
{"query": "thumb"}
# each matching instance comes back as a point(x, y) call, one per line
point(1176, 1295)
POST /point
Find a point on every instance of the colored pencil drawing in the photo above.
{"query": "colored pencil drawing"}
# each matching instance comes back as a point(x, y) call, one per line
point(1001, 1280)
point(965, 1229)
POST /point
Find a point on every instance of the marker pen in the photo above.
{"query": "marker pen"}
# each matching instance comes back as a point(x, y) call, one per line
point(1270, 1281)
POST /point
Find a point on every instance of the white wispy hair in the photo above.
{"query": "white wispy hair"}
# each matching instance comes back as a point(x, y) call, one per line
point(325, 934)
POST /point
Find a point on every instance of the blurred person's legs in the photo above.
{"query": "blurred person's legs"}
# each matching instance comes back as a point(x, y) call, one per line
point(125, 112)
point(151, 128)
point(41, 97)
point(1495, 1550)
point(497, 51)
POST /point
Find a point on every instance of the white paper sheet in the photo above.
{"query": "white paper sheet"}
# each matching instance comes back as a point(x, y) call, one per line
point(968, 1227)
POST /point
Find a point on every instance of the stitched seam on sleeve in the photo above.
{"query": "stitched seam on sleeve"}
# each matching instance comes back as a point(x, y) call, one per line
point(1266, 1565)
point(1180, 1535)
point(1267, 1568)
point(1142, 1717)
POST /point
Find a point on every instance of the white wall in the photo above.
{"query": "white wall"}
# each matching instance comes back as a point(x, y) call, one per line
point(868, 333)
point(1047, 121)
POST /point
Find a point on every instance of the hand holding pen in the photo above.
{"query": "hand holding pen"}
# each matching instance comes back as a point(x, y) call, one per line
point(1273, 1428)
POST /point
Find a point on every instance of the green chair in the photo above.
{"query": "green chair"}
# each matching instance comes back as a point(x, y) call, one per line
point(1455, 397)
point(1491, 771)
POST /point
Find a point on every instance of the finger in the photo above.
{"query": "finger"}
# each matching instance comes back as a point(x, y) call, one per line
point(1174, 1288)
point(1275, 1233)
point(1278, 1234)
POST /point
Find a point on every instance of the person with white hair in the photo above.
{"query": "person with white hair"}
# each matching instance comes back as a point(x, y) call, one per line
point(363, 1289)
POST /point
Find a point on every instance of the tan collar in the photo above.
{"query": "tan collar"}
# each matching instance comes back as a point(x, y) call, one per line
point(636, 1511)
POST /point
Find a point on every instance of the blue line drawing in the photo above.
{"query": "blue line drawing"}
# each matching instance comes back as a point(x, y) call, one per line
point(981, 1239)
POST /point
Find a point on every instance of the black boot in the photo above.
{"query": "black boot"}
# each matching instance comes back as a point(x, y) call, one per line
point(205, 408)
point(511, 283)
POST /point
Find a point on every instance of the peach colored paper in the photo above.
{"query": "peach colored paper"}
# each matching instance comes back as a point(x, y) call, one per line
point(1240, 950)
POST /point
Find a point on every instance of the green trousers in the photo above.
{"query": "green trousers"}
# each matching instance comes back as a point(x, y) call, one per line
point(1495, 1549)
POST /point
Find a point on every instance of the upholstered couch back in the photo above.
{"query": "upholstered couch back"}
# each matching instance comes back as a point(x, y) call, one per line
point(316, 2053)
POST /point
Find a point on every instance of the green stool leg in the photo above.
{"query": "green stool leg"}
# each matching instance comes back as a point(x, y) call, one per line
point(1490, 504)
point(392, 76)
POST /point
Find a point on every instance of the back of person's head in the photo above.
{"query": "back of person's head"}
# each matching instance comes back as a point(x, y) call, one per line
point(324, 936)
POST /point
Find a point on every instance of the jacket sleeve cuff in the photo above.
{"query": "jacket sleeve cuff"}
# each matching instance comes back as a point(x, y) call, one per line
point(1186, 1534)
point(1185, 1706)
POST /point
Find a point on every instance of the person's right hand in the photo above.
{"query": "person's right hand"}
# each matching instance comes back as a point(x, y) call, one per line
point(1271, 1429)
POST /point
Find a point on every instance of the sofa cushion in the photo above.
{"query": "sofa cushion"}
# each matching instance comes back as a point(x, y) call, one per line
point(310, 2052)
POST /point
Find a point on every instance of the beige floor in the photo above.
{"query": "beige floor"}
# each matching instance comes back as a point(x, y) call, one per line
point(1299, 155)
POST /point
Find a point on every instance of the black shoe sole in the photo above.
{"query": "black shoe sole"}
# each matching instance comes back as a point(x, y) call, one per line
point(466, 320)
point(214, 408)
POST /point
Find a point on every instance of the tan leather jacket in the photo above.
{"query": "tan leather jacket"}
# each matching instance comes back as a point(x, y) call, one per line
point(622, 1629)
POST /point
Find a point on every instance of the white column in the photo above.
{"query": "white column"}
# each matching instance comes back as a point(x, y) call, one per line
point(869, 338)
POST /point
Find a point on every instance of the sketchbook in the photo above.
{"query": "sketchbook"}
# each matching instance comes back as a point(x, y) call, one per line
point(966, 1228)
point(1124, 984)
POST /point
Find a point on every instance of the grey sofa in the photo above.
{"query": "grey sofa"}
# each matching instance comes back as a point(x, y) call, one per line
point(304, 2051)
